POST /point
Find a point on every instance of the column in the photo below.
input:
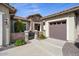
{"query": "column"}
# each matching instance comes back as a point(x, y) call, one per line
point(1, 33)
point(26, 36)
point(36, 34)
point(71, 31)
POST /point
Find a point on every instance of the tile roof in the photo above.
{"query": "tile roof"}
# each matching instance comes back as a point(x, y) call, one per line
point(62, 12)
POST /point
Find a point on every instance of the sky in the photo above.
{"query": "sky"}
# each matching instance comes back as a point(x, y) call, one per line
point(45, 9)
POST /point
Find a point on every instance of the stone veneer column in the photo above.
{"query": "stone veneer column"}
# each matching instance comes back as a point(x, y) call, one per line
point(36, 34)
point(41, 26)
point(31, 25)
point(26, 36)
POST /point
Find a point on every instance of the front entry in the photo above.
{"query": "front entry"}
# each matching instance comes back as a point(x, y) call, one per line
point(37, 27)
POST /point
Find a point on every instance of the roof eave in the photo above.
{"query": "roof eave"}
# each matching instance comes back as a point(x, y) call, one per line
point(12, 9)
point(62, 12)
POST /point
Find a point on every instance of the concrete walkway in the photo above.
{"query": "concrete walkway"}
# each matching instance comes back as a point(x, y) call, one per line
point(46, 47)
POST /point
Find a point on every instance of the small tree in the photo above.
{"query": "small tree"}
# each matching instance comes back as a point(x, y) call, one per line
point(19, 26)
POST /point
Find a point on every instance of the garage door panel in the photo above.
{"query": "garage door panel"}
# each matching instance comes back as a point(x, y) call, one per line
point(57, 31)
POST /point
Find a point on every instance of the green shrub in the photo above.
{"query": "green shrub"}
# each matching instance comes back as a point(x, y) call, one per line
point(19, 42)
point(41, 36)
point(19, 26)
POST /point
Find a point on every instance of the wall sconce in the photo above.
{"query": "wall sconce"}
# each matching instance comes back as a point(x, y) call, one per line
point(6, 21)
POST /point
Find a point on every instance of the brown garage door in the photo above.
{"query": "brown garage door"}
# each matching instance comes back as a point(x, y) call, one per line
point(57, 30)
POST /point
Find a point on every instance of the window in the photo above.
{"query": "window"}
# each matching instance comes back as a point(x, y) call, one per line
point(54, 23)
point(59, 22)
point(51, 23)
point(63, 22)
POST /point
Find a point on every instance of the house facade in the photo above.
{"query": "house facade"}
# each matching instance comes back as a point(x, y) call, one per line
point(6, 12)
point(15, 19)
point(35, 22)
point(14, 34)
point(63, 25)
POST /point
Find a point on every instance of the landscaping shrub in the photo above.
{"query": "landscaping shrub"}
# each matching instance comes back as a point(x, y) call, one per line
point(19, 42)
point(19, 26)
point(41, 35)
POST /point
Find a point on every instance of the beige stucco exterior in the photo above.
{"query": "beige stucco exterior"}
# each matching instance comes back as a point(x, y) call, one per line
point(35, 19)
point(77, 23)
point(77, 27)
point(6, 27)
point(1, 28)
point(71, 30)
point(70, 17)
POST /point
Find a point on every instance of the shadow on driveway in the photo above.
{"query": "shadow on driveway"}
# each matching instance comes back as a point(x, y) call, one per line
point(70, 49)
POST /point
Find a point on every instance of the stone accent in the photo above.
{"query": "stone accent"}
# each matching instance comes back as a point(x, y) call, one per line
point(26, 36)
point(36, 34)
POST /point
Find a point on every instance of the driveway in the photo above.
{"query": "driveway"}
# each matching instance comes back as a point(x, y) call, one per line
point(36, 48)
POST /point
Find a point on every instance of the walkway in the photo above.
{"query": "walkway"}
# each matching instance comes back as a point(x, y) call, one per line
point(46, 47)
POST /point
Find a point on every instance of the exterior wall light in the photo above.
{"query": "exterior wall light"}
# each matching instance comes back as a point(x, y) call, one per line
point(6, 21)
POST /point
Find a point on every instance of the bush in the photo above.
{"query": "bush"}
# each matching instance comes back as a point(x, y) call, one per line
point(19, 26)
point(19, 42)
point(41, 36)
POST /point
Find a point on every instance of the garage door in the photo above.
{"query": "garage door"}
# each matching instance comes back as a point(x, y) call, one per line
point(57, 30)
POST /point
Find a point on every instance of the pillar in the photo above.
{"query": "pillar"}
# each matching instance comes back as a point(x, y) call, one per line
point(26, 36)
point(1, 33)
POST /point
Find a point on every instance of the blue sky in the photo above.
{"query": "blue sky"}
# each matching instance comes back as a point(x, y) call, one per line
point(26, 9)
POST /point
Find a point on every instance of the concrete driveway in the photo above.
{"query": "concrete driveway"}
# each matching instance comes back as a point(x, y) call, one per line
point(36, 48)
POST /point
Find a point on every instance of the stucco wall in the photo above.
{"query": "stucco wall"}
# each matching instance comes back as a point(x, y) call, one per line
point(77, 26)
point(71, 28)
point(1, 28)
point(77, 23)
point(19, 35)
point(27, 26)
point(71, 31)
point(12, 26)
point(6, 28)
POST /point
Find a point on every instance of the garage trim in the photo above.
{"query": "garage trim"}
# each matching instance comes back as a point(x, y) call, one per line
point(58, 24)
point(70, 20)
point(47, 24)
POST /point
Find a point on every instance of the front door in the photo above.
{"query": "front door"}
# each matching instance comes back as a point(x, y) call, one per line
point(37, 27)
